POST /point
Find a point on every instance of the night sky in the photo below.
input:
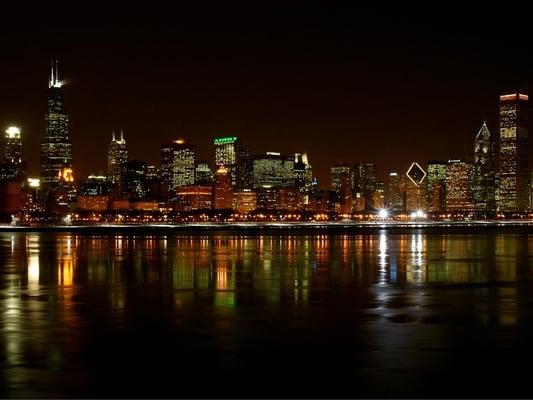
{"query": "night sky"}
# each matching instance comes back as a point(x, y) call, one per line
point(389, 85)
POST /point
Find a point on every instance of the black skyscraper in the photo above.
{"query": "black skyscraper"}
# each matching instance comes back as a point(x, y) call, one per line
point(56, 147)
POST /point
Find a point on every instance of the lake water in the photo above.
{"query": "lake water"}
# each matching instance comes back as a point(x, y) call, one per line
point(227, 314)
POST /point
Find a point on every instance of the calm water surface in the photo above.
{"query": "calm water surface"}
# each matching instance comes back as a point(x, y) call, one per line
point(225, 314)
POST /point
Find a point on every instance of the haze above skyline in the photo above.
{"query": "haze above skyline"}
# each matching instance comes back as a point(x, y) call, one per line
point(388, 87)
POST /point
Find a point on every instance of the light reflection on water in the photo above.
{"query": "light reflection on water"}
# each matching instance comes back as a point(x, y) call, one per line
point(63, 294)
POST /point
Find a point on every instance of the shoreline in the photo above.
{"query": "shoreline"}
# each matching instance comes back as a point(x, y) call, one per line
point(291, 227)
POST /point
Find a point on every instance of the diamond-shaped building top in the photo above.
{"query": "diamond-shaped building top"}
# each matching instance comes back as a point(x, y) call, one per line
point(416, 173)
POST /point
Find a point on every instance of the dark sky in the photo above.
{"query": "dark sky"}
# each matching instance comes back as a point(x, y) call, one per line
point(387, 85)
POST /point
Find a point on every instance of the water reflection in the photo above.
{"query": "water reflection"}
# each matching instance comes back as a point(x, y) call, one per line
point(55, 286)
point(280, 264)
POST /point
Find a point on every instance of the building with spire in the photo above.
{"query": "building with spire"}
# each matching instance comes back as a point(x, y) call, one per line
point(484, 187)
point(56, 147)
point(117, 157)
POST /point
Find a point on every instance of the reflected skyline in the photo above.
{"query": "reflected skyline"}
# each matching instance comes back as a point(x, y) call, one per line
point(289, 266)
point(375, 299)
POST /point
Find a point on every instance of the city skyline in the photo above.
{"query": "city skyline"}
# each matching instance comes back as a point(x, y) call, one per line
point(274, 94)
point(55, 83)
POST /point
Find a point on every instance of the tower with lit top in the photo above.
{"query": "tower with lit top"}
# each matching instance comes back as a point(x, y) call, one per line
point(56, 147)
point(223, 192)
point(117, 157)
point(513, 153)
point(14, 167)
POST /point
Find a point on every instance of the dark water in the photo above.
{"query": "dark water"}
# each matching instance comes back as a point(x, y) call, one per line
point(220, 315)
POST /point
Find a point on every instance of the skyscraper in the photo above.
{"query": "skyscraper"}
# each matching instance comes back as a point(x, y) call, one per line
point(415, 188)
point(223, 189)
point(273, 170)
point(135, 179)
point(513, 153)
point(459, 176)
point(303, 173)
point(364, 182)
point(203, 175)
point(345, 193)
point(483, 180)
point(337, 173)
point(230, 152)
point(395, 194)
point(178, 164)
point(117, 157)
point(15, 165)
point(436, 185)
point(56, 148)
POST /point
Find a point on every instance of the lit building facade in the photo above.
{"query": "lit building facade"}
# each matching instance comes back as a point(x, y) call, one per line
point(230, 152)
point(290, 198)
point(32, 197)
point(268, 198)
point(415, 188)
point(95, 185)
point(436, 185)
point(178, 166)
point(13, 154)
point(336, 176)
point(203, 174)
point(117, 157)
point(459, 179)
point(364, 182)
point(395, 200)
point(379, 195)
point(273, 170)
point(56, 147)
point(194, 197)
point(484, 184)
point(345, 193)
point(513, 172)
point(92, 203)
point(245, 201)
point(303, 173)
point(223, 193)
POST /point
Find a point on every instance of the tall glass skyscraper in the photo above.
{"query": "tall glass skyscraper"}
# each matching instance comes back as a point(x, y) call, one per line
point(56, 147)
point(436, 185)
point(178, 164)
point(117, 157)
point(459, 176)
point(484, 182)
point(273, 170)
point(512, 191)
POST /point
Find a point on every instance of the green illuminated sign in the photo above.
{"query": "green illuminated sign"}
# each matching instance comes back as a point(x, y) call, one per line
point(224, 140)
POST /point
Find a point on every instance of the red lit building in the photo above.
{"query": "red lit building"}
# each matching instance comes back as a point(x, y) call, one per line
point(193, 197)
point(92, 203)
point(223, 189)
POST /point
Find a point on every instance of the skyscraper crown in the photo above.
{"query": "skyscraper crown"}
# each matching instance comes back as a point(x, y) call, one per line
point(54, 75)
